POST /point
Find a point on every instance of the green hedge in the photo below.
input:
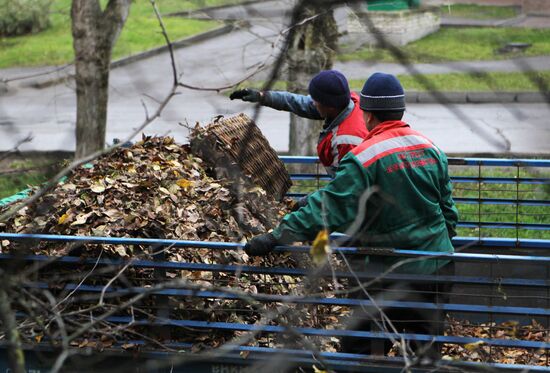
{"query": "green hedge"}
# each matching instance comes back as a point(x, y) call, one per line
point(20, 17)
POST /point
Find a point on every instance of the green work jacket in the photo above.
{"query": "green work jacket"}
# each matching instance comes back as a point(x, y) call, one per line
point(392, 191)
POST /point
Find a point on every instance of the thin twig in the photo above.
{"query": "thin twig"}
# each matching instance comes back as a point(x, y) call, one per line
point(23, 77)
point(168, 43)
point(15, 148)
point(82, 281)
point(113, 279)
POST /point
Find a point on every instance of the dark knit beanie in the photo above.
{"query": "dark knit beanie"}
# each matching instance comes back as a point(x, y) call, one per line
point(330, 88)
point(382, 92)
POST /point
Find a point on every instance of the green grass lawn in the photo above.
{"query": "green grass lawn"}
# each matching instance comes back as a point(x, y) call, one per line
point(28, 173)
point(487, 212)
point(500, 82)
point(141, 32)
point(457, 82)
point(461, 44)
point(474, 11)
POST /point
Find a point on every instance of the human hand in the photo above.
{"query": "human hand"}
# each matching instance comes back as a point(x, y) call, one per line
point(261, 245)
point(247, 94)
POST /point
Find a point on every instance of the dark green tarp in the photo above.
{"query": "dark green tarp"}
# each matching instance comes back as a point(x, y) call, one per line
point(392, 5)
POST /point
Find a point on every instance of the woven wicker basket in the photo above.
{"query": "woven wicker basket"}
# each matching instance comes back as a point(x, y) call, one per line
point(243, 143)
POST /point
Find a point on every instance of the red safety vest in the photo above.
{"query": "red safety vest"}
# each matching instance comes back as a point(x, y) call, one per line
point(344, 137)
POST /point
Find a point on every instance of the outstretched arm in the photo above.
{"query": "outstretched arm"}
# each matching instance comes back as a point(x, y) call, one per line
point(298, 104)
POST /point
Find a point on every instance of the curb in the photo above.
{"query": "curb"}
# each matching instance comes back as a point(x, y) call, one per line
point(505, 155)
point(466, 22)
point(43, 83)
point(177, 44)
point(422, 97)
point(190, 13)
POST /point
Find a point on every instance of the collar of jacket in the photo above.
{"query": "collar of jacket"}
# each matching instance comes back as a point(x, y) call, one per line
point(385, 126)
point(329, 126)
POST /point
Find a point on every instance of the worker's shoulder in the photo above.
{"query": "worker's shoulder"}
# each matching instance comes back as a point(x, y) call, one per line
point(389, 142)
point(381, 137)
point(354, 125)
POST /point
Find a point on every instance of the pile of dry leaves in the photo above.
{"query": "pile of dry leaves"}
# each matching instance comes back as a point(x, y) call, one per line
point(481, 352)
point(155, 188)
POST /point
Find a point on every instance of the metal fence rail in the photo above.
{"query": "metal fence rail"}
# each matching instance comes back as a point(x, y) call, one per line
point(457, 241)
point(452, 161)
point(117, 292)
point(495, 197)
point(232, 360)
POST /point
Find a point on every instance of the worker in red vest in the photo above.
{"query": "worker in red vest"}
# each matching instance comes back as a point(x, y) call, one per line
point(329, 99)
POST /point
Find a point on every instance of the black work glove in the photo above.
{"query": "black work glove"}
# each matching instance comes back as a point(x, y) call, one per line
point(261, 245)
point(247, 94)
point(299, 204)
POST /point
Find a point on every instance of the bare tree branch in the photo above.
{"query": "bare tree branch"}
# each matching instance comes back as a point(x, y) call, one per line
point(168, 43)
point(16, 357)
point(15, 148)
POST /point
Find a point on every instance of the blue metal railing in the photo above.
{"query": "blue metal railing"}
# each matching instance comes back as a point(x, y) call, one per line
point(339, 361)
point(483, 197)
point(454, 179)
point(348, 302)
point(457, 241)
point(330, 332)
point(452, 161)
point(279, 271)
point(300, 272)
point(501, 201)
point(477, 201)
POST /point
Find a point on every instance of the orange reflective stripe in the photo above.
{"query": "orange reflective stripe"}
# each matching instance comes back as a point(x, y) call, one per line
point(390, 146)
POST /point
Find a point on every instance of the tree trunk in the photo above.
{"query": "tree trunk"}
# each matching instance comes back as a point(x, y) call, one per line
point(95, 32)
point(311, 51)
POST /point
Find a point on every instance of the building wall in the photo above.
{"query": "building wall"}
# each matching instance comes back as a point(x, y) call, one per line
point(399, 28)
point(537, 7)
point(478, 2)
point(541, 7)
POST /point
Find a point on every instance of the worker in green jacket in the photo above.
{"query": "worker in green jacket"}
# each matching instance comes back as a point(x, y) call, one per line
point(393, 191)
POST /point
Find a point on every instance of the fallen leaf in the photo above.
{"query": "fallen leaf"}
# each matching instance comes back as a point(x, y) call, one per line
point(97, 188)
point(184, 183)
point(320, 249)
point(62, 219)
point(81, 219)
point(113, 214)
point(317, 370)
point(68, 187)
point(474, 345)
point(164, 190)
point(121, 250)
